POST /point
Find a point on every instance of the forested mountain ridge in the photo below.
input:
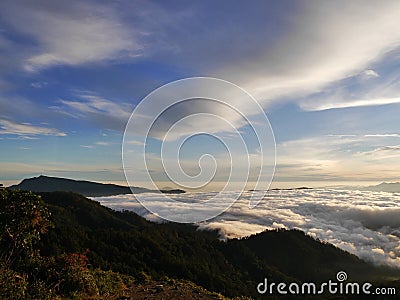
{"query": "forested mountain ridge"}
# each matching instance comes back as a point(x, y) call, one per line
point(127, 243)
point(25, 273)
point(86, 188)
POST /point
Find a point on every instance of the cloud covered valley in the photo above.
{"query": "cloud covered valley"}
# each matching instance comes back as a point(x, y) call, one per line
point(360, 222)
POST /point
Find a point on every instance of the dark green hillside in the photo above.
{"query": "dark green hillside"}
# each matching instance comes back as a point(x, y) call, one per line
point(25, 273)
point(126, 243)
point(300, 256)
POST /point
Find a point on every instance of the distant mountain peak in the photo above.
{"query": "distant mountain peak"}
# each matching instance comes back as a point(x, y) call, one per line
point(86, 188)
point(391, 187)
point(389, 183)
point(45, 183)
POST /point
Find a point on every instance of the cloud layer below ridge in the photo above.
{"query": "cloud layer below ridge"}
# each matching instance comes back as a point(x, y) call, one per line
point(363, 223)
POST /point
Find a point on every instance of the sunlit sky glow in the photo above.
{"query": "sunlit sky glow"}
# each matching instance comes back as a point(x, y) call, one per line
point(326, 73)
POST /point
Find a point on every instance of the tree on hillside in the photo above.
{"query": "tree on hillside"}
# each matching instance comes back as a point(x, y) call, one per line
point(25, 273)
point(23, 219)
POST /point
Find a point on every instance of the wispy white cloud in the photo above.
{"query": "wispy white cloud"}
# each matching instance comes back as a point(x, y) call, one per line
point(135, 143)
point(328, 42)
point(103, 143)
point(382, 135)
point(383, 153)
point(92, 146)
point(95, 104)
point(368, 74)
point(340, 103)
point(71, 34)
point(38, 85)
point(342, 135)
point(338, 157)
point(11, 128)
point(102, 112)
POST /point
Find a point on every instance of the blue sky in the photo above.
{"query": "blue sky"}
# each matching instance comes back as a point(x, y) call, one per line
point(326, 73)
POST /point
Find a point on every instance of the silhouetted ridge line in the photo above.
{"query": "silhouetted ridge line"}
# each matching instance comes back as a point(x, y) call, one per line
point(86, 188)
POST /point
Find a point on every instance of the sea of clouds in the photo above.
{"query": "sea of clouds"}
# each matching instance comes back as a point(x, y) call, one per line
point(364, 223)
